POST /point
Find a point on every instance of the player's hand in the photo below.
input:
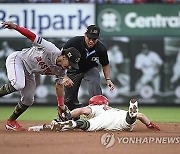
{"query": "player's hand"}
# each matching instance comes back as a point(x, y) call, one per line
point(110, 84)
point(64, 113)
point(68, 82)
point(8, 24)
point(67, 114)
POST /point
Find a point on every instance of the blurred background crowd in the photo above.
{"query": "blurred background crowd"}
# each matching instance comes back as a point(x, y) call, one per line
point(92, 1)
point(142, 38)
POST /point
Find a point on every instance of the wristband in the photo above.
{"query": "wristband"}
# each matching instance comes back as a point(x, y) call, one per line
point(108, 79)
point(60, 101)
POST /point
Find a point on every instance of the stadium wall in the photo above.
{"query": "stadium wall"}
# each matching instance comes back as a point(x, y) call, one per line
point(125, 29)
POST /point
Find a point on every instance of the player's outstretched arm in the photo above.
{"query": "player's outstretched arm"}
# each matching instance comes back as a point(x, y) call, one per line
point(80, 111)
point(32, 36)
point(145, 120)
point(9, 25)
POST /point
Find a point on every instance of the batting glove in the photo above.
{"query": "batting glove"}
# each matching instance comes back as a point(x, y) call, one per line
point(153, 126)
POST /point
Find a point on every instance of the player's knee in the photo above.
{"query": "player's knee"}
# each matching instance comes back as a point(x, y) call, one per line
point(83, 124)
point(18, 85)
point(28, 100)
point(94, 82)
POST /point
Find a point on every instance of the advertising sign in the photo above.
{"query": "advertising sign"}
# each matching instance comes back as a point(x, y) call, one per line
point(48, 20)
point(139, 20)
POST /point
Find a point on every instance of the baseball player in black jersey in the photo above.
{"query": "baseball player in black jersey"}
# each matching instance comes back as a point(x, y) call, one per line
point(92, 50)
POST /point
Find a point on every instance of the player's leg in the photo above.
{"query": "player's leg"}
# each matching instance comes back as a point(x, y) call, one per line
point(109, 120)
point(27, 99)
point(156, 83)
point(70, 124)
point(71, 93)
point(131, 115)
point(104, 121)
point(176, 72)
point(11, 123)
point(145, 78)
point(15, 73)
point(92, 77)
point(6, 89)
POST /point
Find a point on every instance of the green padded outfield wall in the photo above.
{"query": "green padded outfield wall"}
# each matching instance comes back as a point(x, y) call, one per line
point(139, 20)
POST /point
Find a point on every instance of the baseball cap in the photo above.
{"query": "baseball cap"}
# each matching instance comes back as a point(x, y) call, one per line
point(73, 56)
point(93, 31)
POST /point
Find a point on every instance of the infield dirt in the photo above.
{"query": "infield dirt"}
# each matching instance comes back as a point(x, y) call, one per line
point(79, 142)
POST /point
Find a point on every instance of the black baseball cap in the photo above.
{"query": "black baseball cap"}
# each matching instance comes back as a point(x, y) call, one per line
point(73, 56)
point(93, 32)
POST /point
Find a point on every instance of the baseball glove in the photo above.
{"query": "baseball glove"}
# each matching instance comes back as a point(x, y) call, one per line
point(65, 114)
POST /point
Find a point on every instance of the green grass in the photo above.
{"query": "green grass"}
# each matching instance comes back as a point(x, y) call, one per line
point(32, 114)
point(156, 114)
point(161, 114)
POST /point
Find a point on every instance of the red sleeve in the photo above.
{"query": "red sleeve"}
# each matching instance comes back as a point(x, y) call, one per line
point(30, 35)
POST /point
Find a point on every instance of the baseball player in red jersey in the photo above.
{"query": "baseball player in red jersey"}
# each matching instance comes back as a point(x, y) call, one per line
point(42, 58)
point(103, 117)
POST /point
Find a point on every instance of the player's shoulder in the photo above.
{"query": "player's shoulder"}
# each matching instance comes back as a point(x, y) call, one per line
point(74, 42)
point(100, 46)
point(140, 56)
point(153, 53)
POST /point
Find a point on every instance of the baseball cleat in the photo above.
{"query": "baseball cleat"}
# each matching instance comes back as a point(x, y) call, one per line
point(62, 126)
point(133, 108)
point(14, 125)
point(55, 126)
point(43, 127)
